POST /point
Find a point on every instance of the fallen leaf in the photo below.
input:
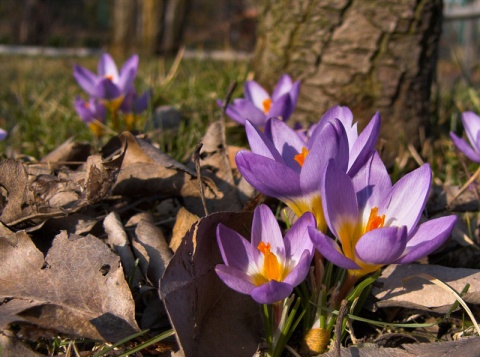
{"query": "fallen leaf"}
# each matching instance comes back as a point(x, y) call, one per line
point(183, 223)
point(417, 293)
point(209, 318)
point(78, 289)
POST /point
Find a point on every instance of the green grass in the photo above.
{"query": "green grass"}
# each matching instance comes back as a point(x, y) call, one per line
point(36, 100)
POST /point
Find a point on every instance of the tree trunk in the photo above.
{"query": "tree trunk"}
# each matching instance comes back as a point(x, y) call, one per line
point(369, 55)
point(123, 27)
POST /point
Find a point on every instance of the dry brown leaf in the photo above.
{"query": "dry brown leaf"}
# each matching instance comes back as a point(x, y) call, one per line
point(183, 223)
point(215, 164)
point(10, 346)
point(69, 151)
point(30, 198)
point(148, 171)
point(420, 294)
point(78, 289)
point(209, 318)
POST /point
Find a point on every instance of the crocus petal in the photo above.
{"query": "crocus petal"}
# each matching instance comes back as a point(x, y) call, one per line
point(382, 245)
point(294, 93)
point(301, 269)
point(87, 80)
point(107, 67)
point(141, 103)
point(464, 147)
point(3, 134)
point(407, 198)
point(371, 183)
point(255, 93)
point(428, 237)
point(330, 143)
point(83, 110)
point(243, 109)
point(471, 123)
point(296, 239)
point(364, 145)
point(271, 292)
point(268, 176)
point(283, 86)
point(110, 89)
point(265, 228)
point(234, 279)
point(128, 73)
point(260, 144)
point(282, 107)
point(331, 250)
point(235, 249)
point(339, 201)
point(286, 141)
point(344, 114)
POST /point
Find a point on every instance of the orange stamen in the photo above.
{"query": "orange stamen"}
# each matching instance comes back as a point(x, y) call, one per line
point(272, 270)
point(267, 104)
point(300, 158)
point(109, 76)
point(374, 220)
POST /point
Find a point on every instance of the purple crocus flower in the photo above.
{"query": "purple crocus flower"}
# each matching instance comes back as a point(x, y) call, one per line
point(108, 84)
point(92, 113)
point(284, 166)
point(133, 105)
point(258, 106)
point(377, 223)
point(268, 267)
point(471, 123)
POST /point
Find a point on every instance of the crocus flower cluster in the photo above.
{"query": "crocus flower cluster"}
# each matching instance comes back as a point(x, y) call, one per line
point(334, 173)
point(471, 123)
point(110, 91)
point(258, 105)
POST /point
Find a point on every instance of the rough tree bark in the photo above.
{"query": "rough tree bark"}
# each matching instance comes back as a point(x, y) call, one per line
point(369, 55)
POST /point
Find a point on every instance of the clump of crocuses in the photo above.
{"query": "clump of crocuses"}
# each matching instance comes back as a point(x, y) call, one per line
point(258, 105)
point(111, 91)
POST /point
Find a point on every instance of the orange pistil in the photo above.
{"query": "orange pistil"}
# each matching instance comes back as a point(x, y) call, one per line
point(374, 220)
point(300, 158)
point(267, 104)
point(109, 77)
point(272, 270)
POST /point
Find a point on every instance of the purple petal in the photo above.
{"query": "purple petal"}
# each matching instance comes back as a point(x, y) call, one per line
point(283, 86)
point(464, 147)
point(286, 141)
point(268, 176)
point(331, 250)
point(265, 229)
point(243, 109)
point(344, 114)
point(111, 90)
point(128, 73)
point(271, 292)
point(281, 108)
point(301, 269)
point(255, 93)
point(260, 144)
point(234, 279)
point(296, 239)
point(87, 80)
point(372, 184)
point(83, 110)
point(294, 93)
point(382, 245)
point(329, 143)
point(3, 134)
point(407, 198)
point(428, 237)
point(339, 202)
point(107, 67)
point(364, 145)
point(471, 123)
point(235, 249)
point(141, 103)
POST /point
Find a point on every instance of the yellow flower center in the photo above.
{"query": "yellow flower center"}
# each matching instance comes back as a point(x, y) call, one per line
point(374, 220)
point(267, 104)
point(300, 158)
point(272, 269)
